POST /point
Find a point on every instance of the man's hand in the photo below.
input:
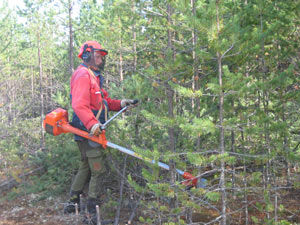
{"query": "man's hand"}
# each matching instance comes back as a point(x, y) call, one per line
point(95, 130)
point(127, 102)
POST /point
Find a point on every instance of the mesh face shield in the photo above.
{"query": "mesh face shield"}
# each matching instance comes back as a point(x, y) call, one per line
point(101, 67)
point(88, 57)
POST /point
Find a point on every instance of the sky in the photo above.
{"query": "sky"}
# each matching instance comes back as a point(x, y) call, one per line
point(12, 4)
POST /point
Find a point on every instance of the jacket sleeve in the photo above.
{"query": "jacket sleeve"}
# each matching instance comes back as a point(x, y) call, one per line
point(113, 104)
point(80, 91)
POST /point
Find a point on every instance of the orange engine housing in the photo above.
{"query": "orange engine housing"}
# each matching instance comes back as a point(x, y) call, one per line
point(53, 119)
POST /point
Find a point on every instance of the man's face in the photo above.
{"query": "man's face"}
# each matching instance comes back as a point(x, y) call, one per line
point(98, 58)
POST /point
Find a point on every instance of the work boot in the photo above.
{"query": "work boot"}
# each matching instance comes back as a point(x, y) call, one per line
point(74, 198)
point(91, 218)
point(91, 205)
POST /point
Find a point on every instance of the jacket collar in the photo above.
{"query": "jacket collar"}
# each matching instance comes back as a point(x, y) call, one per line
point(96, 72)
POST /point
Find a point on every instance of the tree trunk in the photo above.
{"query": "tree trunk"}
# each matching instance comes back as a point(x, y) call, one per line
point(221, 116)
point(71, 59)
point(120, 53)
point(265, 101)
point(41, 90)
point(170, 92)
point(233, 150)
point(170, 99)
point(134, 36)
point(245, 171)
point(195, 83)
point(32, 83)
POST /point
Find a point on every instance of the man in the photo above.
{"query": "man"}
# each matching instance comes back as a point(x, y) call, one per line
point(91, 104)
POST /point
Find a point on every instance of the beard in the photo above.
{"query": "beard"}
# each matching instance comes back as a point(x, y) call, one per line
point(94, 66)
point(101, 66)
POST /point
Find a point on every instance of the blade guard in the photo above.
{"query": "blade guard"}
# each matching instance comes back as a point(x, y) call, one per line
point(189, 179)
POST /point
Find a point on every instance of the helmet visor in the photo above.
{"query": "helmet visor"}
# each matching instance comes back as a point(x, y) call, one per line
point(102, 51)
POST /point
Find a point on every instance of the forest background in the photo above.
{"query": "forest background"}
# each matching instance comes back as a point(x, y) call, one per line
point(218, 84)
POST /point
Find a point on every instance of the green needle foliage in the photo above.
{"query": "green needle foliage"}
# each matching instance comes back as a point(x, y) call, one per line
point(218, 84)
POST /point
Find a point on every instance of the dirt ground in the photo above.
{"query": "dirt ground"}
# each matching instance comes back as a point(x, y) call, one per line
point(25, 211)
point(28, 209)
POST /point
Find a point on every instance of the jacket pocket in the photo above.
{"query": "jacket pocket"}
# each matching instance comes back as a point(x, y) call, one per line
point(95, 96)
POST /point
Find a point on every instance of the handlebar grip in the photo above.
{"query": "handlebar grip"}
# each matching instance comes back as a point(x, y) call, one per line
point(135, 101)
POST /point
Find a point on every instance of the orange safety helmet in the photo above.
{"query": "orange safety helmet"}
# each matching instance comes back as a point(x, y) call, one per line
point(88, 46)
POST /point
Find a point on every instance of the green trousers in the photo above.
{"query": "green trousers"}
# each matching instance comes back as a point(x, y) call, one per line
point(91, 169)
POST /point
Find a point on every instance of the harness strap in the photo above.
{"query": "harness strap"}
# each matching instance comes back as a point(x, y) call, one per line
point(99, 112)
point(105, 112)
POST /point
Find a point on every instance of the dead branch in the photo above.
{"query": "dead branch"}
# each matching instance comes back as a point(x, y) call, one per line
point(117, 217)
point(6, 185)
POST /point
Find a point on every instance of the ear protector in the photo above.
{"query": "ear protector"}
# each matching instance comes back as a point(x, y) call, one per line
point(86, 55)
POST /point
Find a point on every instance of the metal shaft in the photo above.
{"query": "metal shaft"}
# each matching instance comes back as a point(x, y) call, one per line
point(114, 116)
point(136, 155)
point(118, 113)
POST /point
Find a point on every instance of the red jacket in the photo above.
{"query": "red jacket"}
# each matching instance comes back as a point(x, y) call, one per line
point(87, 95)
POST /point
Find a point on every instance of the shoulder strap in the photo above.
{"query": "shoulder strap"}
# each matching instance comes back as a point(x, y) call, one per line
point(91, 74)
point(101, 105)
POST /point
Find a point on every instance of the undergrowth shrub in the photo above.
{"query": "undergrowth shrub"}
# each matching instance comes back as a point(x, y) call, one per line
point(54, 165)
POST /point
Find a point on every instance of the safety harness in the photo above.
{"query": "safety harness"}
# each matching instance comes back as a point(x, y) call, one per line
point(91, 73)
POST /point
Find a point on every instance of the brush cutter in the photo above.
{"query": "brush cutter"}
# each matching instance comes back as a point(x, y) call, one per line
point(56, 123)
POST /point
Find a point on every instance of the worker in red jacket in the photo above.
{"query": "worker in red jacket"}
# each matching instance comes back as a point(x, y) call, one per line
point(91, 104)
